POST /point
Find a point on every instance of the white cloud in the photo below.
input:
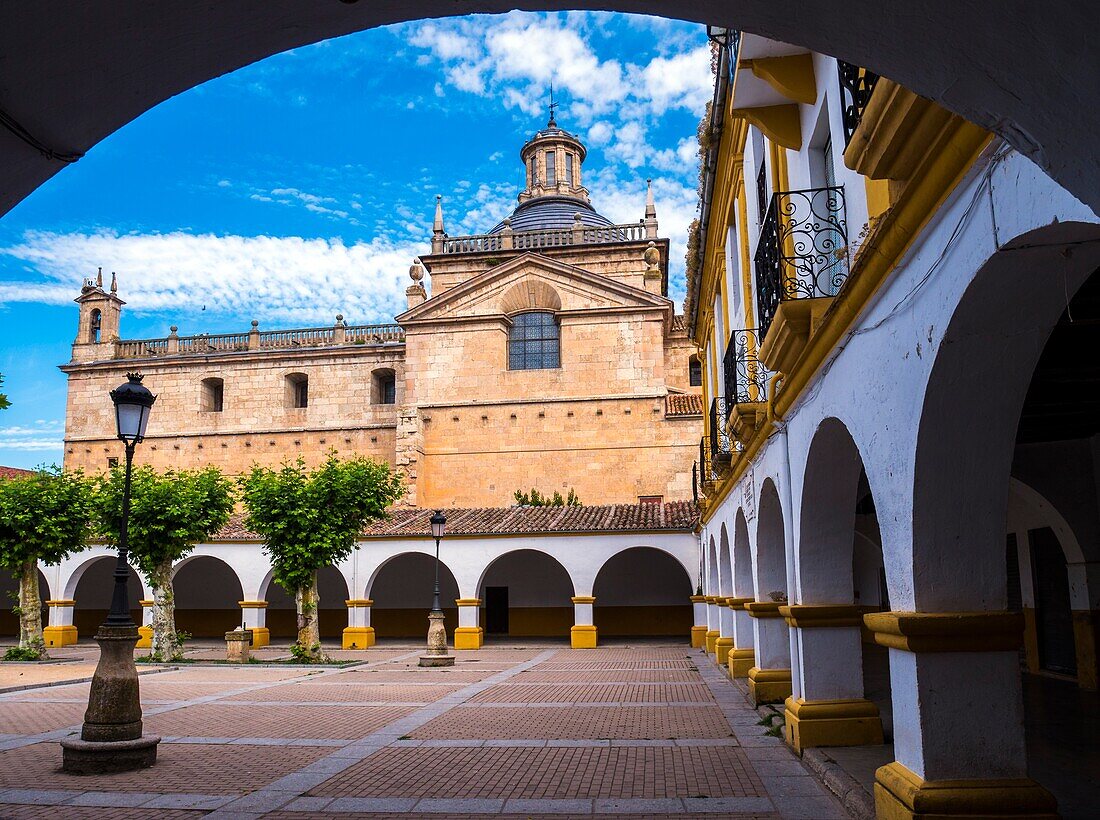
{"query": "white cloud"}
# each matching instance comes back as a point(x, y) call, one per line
point(42, 435)
point(274, 279)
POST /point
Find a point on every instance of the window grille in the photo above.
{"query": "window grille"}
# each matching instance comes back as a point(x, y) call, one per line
point(534, 342)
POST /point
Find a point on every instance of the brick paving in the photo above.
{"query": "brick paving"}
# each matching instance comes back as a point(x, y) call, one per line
point(652, 731)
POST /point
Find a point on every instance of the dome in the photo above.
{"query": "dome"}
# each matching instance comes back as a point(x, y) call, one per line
point(547, 212)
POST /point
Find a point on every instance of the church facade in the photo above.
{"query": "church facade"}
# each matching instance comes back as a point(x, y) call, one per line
point(548, 355)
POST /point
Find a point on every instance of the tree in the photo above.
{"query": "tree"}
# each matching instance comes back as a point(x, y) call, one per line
point(169, 514)
point(4, 403)
point(310, 519)
point(45, 516)
point(537, 499)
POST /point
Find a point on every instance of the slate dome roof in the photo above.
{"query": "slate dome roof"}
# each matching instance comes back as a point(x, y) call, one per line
point(553, 212)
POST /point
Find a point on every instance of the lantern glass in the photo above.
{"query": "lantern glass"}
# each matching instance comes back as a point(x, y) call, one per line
point(132, 420)
point(439, 521)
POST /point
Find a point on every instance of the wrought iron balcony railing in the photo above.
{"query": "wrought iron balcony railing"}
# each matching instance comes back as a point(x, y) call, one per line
point(802, 252)
point(856, 87)
point(746, 377)
point(721, 450)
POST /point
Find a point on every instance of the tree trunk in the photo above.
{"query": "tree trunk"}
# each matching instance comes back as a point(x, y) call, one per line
point(309, 630)
point(165, 646)
point(30, 610)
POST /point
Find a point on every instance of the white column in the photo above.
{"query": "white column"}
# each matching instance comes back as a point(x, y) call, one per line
point(724, 642)
point(770, 678)
point(61, 631)
point(358, 634)
point(712, 623)
point(699, 621)
point(742, 656)
point(583, 633)
point(146, 628)
point(469, 634)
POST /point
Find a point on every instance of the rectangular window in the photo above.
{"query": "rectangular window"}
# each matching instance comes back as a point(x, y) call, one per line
point(651, 499)
point(301, 394)
point(212, 395)
point(112, 462)
point(569, 169)
point(551, 170)
point(389, 391)
point(531, 180)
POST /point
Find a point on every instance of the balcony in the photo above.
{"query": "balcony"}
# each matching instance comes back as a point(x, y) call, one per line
point(721, 449)
point(507, 239)
point(801, 262)
point(856, 86)
point(746, 380)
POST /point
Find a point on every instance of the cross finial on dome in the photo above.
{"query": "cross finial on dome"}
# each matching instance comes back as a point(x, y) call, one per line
point(553, 107)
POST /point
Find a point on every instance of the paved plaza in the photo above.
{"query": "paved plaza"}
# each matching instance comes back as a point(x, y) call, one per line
point(632, 731)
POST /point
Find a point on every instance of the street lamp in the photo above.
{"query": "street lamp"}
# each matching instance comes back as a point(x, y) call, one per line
point(110, 739)
point(437, 654)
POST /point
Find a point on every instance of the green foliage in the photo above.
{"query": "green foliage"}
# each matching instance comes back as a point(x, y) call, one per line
point(301, 654)
point(537, 499)
point(44, 517)
point(33, 652)
point(169, 512)
point(4, 403)
point(310, 519)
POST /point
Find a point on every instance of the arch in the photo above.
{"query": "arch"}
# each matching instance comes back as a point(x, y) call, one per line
point(642, 590)
point(770, 564)
point(725, 564)
point(296, 390)
point(712, 569)
point(971, 410)
point(383, 386)
point(1028, 509)
point(332, 592)
point(207, 592)
point(536, 598)
point(95, 326)
point(957, 56)
point(824, 551)
point(530, 294)
point(401, 588)
point(742, 557)
point(534, 341)
point(92, 585)
point(212, 394)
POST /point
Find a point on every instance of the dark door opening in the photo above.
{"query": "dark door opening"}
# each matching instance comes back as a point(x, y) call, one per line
point(496, 610)
point(1052, 606)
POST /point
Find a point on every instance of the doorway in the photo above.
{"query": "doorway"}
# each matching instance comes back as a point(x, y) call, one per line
point(496, 610)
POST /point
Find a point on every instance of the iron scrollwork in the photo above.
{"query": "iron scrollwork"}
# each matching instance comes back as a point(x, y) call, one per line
point(746, 376)
point(856, 86)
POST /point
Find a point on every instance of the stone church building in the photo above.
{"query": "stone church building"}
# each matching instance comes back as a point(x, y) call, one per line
point(542, 354)
point(548, 355)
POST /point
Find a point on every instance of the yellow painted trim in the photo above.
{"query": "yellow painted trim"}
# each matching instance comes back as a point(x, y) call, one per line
point(698, 599)
point(892, 237)
point(61, 602)
point(804, 616)
point(722, 648)
point(763, 609)
point(698, 637)
point(252, 604)
point(738, 603)
point(769, 685)
point(740, 661)
point(359, 602)
point(261, 636)
point(467, 602)
point(792, 75)
point(711, 599)
point(145, 639)
point(902, 794)
point(779, 123)
point(947, 631)
point(583, 599)
point(59, 635)
point(468, 637)
point(147, 603)
point(710, 639)
point(583, 636)
point(816, 723)
point(358, 637)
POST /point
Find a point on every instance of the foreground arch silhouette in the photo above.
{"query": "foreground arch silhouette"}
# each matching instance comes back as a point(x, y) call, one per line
point(81, 70)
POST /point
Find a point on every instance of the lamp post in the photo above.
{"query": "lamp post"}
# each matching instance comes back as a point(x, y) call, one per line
point(437, 654)
point(110, 739)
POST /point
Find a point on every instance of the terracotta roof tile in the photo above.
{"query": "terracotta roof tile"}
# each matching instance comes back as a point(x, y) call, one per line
point(671, 515)
point(13, 472)
point(683, 404)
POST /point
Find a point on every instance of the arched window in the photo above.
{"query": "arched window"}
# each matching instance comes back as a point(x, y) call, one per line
point(297, 390)
point(95, 326)
point(534, 342)
point(695, 372)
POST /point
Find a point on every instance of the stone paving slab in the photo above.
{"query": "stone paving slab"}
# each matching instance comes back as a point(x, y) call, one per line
point(28, 718)
point(620, 675)
point(524, 772)
point(223, 720)
point(590, 693)
point(636, 722)
point(330, 692)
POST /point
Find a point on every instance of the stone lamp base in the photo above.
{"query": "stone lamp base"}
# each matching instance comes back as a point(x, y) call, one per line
point(111, 739)
point(437, 654)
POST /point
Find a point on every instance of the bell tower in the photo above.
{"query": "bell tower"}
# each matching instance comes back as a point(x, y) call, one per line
point(553, 159)
point(100, 314)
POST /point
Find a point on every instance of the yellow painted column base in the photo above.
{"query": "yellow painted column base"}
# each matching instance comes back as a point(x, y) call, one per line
point(358, 637)
point(740, 661)
point(261, 636)
point(815, 723)
point(469, 637)
point(62, 635)
point(711, 639)
point(583, 636)
point(698, 637)
point(769, 685)
point(146, 639)
point(902, 795)
point(722, 648)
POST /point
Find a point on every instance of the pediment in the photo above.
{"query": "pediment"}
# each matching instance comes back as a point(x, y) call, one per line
point(532, 282)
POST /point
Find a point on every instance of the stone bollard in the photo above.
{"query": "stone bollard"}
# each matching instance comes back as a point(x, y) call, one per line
point(236, 645)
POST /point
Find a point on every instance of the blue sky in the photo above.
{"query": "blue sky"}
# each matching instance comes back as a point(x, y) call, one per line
point(304, 185)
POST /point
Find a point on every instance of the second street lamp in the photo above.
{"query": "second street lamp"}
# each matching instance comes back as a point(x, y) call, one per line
point(110, 739)
point(437, 654)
